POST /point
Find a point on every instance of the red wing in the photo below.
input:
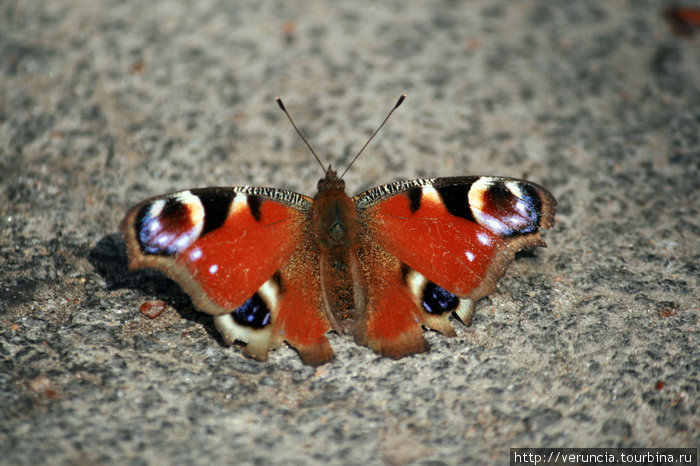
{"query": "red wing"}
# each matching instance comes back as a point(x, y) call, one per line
point(300, 320)
point(455, 236)
point(233, 251)
point(391, 325)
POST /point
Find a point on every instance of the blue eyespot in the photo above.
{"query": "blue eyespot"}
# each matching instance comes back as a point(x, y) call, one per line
point(253, 313)
point(437, 300)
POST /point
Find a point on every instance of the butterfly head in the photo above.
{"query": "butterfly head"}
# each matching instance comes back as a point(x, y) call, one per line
point(331, 181)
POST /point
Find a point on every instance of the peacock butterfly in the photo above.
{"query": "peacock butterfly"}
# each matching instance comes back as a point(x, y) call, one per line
point(275, 266)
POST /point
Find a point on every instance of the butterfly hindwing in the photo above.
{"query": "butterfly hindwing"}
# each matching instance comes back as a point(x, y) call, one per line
point(301, 320)
point(390, 324)
point(454, 237)
point(238, 252)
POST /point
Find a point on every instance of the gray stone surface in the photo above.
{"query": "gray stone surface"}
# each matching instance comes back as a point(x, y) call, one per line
point(591, 342)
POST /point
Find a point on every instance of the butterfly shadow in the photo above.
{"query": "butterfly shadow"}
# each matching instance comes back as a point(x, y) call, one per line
point(109, 259)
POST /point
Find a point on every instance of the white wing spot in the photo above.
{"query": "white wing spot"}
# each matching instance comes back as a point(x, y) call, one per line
point(239, 203)
point(213, 269)
point(484, 238)
point(430, 194)
point(195, 254)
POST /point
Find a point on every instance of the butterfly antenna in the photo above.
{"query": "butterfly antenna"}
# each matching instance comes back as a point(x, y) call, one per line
point(398, 102)
point(279, 102)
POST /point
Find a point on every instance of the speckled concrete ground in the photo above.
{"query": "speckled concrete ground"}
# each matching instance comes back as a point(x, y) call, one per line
point(591, 342)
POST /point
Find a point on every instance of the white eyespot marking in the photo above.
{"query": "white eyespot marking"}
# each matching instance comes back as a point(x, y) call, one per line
point(239, 204)
point(476, 193)
point(493, 224)
point(156, 235)
point(269, 293)
point(470, 256)
point(480, 207)
point(154, 226)
point(430, 194)
point(416, 283)
point(465, 310)
point(155, 210)
point(523, 203)
point(231, 331)
point(194, 206)
point(183, 242)
point(522, 208)
point(213, 268)
point(514, 188)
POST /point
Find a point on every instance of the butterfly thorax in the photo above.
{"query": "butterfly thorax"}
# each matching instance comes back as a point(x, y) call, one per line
point(336, 228)
point(335, 221)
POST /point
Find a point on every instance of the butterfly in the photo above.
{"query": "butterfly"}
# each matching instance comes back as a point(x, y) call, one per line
point(274, 266)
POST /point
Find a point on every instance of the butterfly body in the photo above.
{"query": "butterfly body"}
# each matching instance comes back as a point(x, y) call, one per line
point(273, 266)
point(336, 232)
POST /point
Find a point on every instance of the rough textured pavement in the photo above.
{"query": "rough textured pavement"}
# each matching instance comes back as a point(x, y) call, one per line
point(590, 342)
